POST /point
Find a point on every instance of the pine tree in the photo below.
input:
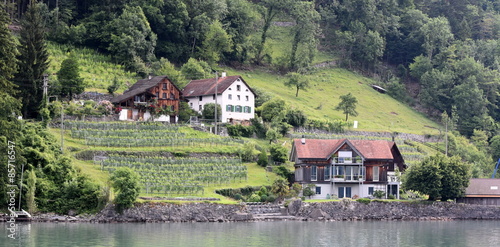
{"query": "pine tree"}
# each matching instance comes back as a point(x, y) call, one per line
point(69, 78)
point(33, 61)
point(8, 53)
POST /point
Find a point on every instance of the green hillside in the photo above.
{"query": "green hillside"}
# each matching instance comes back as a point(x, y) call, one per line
point(377, 112)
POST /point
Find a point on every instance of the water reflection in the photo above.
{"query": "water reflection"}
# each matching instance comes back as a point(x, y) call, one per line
point(292, 233)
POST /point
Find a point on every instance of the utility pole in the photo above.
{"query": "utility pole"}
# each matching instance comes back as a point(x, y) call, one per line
point(45, 86)
point(216, 91)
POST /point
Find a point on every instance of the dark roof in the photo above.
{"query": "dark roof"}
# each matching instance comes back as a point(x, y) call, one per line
point(141, 86)
point(324, 148)
point(481, 187)
point(207, 86)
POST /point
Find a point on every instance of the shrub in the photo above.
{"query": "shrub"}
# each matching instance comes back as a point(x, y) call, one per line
point(254, 198)
point(278, 153)
point(364, 200)
point(392, 197)
point(263, 161)
point(378, 194)
point(239, 130)
point(126, 183)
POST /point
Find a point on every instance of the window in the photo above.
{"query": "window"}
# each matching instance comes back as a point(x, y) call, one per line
point(200, 98)
point(339, 171)
point(164, 86)
point(213, 97)
point(375, 173)
point(238, 108)
point(229, 108)
point(344, 192)
point(172, 108)
point(238, 88)
point(164, 95)
point(157, 94)
point(246, 97)
point(327, 173)
point(200, 107)
point(229, 96)
point(191, 105)
point(172, 96)
point(370, 191)
point(318, 190)
point(314, 173)
point(238, 97)
point(247, 109)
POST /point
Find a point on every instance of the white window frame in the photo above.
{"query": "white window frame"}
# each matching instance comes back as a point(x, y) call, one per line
point(376, 174)
point(314, 173)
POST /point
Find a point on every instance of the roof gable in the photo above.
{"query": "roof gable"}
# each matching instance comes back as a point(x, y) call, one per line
point(203, 87)
point(141, 86)
point(324, 148)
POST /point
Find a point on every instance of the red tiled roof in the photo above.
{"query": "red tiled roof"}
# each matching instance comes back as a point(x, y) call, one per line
point(373, 149)
point(207, 86)
point(316, 148)
point(323, 148)
point(483, 186)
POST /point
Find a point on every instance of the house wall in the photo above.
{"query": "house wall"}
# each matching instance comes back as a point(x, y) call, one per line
point(123, 114)
point(224, 100)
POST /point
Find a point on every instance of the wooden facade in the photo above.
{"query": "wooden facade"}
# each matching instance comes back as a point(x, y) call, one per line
point(158, 91)
point(482, 191)
point(348, 168)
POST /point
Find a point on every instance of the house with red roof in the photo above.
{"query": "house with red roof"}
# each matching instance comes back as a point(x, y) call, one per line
point(236, 98)
point(347, 168)
point(154, 97)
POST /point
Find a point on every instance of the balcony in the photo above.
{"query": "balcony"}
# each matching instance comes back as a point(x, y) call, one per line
point(344, 178)
point(347, 160)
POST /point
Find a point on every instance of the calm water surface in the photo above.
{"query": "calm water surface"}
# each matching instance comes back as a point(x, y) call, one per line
point(281, 233)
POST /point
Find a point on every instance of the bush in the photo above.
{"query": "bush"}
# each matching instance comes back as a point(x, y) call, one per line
point(126, 183)
point(271, 198)
point(364, 200)
point(254, 198)
point(378, 194)
point(263, 161)
point(240, 130)
point(295, 117)
point(392, 197)
point(278, 153)
point(247, 152)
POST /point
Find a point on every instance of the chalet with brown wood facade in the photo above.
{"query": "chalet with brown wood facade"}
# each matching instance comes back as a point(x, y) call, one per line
point(155, 97)
point(347, 168)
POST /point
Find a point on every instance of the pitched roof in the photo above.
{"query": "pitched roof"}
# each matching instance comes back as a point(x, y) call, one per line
point(207, 86)
point(483, 187)
point(139, 87)
point(324, 148)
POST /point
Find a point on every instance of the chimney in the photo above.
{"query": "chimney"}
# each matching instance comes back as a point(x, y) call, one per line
point(223, 75)
point(303, 140)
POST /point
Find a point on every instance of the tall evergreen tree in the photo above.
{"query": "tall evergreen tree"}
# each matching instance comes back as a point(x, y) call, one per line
point(8, 53)
point(69, 78)
point(33, 60)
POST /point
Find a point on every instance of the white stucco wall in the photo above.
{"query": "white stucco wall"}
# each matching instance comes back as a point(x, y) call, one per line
point(246, 98)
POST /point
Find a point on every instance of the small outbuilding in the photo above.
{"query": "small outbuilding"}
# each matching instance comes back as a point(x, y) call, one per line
point(482, 191)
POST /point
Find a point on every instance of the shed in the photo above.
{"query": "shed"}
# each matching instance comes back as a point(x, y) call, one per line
point(482, 191)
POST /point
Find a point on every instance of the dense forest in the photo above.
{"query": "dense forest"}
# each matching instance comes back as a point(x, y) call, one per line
point(440, 56)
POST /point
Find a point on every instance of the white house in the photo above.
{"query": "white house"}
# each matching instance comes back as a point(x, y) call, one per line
point(236, 98)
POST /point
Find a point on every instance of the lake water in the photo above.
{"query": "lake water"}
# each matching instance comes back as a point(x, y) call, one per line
point(278, 233)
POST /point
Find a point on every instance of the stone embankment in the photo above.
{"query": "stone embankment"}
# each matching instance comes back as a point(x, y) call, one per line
point(344, 210)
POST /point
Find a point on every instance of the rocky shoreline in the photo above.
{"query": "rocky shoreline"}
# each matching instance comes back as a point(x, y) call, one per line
point(344, 210)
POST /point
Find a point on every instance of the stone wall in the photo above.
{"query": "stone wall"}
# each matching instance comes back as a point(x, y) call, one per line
point(375, 210)
point(297, 210)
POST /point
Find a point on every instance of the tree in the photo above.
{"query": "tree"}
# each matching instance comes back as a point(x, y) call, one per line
point(298, 81)
point(209, 111)
point(165, 67)
point(305, 33)
point(280, 188)
point(439, 177)
point(132, 41)
point(194, 69)
point(33, 60)
point(278, 153)
point(347, 105)
point(8, 53)
point(273, 108)
point(262, 161)
point(114, 86)
point(495, 147)
point(69, 78)
point(30, 194)
point(215, 43)
point(125, 182)
point(272, 135)
point(437, 35)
